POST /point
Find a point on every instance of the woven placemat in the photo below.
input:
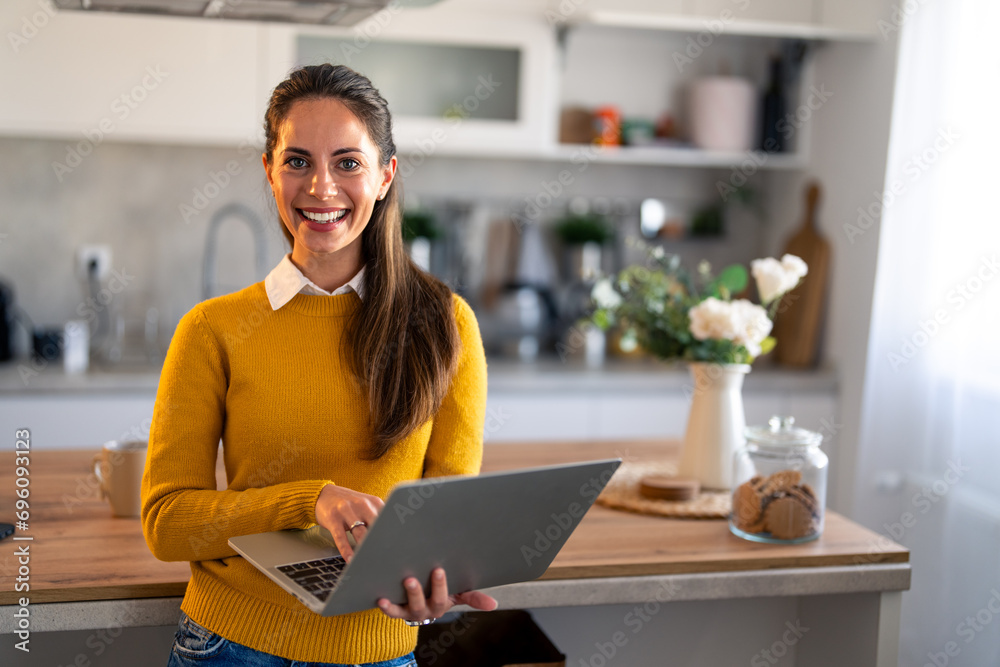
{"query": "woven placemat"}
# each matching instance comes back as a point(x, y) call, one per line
point(622, 493)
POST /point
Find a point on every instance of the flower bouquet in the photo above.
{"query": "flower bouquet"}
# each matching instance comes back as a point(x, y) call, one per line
point(675, 315)
point(701, 319)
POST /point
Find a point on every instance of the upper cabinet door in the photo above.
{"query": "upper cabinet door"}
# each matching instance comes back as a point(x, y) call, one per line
point(97, 77)
point(851, 16)
point(780, 11)
point(632, 6)
point(456, 83)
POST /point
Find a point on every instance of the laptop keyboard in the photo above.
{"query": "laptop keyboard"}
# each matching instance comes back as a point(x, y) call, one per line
point(319, 577)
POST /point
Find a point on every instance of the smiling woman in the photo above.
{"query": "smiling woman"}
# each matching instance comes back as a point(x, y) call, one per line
point(348, 366)
point(326, 176)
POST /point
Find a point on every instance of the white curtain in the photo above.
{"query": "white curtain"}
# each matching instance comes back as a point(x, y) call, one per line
point(929, 452)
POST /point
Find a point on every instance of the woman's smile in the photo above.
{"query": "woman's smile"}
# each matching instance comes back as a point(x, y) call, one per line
point(327, 178)
point(323, 219)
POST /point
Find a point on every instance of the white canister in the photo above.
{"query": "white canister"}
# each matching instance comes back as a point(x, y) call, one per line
point(76, 346)
point(723, 113)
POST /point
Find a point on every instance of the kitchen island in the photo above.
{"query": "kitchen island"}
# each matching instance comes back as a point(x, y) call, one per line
point(627, 585)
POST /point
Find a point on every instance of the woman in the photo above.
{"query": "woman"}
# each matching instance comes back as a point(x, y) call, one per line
point(346, 371)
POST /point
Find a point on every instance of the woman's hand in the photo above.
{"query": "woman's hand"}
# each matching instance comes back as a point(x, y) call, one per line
point(419, 608)
point(338, 508)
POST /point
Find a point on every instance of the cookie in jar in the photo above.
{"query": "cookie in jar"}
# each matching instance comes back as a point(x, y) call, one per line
point(779, 493)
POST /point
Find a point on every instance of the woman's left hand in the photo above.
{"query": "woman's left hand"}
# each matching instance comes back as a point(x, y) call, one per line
point(419, 608)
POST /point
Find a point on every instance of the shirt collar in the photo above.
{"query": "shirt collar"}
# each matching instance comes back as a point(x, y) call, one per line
point(286, 280)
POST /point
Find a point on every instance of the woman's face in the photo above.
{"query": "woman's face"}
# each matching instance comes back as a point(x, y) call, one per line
point(326, 178)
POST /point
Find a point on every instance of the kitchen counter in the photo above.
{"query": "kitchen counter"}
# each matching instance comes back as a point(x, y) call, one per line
point(89, 570)
point(21, 377)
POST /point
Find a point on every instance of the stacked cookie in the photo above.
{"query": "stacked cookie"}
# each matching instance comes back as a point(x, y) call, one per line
point(779, 504)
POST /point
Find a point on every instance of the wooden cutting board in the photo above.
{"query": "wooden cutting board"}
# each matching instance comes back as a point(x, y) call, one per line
point(797, 325)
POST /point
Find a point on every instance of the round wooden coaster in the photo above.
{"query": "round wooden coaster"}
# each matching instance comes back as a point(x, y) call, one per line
point(663, 487)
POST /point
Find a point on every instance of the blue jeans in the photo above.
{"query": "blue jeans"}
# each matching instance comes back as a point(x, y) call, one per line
point(196, 645)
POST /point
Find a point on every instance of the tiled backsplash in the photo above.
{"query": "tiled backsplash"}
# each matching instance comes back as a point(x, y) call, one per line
point(152, 204)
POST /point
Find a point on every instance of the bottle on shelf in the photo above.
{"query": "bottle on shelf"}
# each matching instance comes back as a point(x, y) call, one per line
point(773, 140)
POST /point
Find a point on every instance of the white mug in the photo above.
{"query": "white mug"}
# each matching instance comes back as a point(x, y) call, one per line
point(118, 469)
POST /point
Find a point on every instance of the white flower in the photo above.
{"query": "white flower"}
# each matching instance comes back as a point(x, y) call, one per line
point(712, 318)
point(794, 265)
point(740, 321)
point(752, 325)
point(604, 295)
point(774, 278)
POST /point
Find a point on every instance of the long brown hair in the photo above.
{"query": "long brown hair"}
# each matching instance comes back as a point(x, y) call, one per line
point(402, 341)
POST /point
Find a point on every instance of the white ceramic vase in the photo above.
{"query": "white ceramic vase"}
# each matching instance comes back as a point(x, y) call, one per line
point(715, 424)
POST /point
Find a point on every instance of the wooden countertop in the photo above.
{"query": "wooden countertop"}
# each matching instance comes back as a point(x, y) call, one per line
point(79, 552)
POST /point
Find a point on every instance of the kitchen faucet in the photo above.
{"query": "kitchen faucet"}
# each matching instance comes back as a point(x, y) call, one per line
point(256, 226)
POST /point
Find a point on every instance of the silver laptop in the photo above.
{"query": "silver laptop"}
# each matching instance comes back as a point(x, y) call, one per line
point(485, 530)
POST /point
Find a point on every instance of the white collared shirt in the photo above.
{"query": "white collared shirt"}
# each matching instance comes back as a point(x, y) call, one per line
point(286, 280)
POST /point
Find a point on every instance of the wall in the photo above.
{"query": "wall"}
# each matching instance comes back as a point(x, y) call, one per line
point(849, 145)
point(152, 204)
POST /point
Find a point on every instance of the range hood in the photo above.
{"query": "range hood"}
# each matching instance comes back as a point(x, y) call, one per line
point(316, 12)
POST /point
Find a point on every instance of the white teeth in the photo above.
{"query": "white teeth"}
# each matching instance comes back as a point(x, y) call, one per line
point(325, 217)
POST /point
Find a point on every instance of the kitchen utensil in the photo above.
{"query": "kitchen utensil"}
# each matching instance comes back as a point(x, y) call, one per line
point(47, 343)
point(797, 324)
point(118, 469)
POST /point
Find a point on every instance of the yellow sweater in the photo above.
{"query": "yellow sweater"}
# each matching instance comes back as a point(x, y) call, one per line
point(292, 418)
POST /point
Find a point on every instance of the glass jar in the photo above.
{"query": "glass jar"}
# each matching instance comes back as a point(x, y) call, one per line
point(779, 478)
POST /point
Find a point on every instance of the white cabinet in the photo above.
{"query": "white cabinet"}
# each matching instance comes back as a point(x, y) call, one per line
point(74, 421)
point(853, 16)
point(807, 19)
point(97, 77)
point(533, 90)
point(520, 416)
point(780, 11)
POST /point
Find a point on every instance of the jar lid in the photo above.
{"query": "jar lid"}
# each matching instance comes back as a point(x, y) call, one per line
point(781, 432)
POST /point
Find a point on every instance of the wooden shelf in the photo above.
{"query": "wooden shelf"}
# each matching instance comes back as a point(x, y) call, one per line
point(675, 23)
point(658, 156)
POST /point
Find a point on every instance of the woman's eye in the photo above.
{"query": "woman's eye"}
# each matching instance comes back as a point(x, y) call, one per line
point(297, 162)
point(350, 164)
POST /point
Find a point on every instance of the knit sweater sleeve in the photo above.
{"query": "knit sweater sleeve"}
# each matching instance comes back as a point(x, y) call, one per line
point(184, 516)
point(456, 441)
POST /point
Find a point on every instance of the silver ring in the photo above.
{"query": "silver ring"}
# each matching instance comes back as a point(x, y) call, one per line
point(416, 624)
point(356, 524)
